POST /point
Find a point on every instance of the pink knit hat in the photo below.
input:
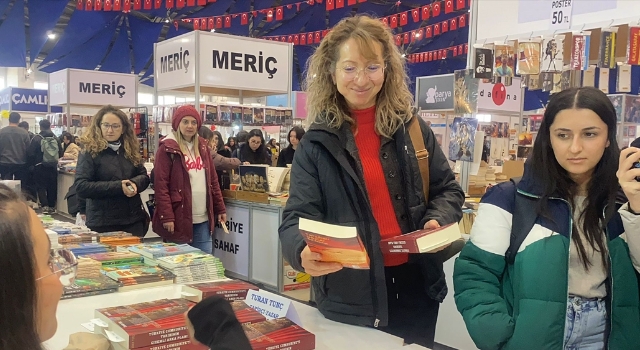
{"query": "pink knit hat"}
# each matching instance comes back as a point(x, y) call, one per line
point(185, 111)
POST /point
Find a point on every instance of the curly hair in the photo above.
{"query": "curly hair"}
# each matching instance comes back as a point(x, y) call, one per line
point(394, 102)
point(94, 142)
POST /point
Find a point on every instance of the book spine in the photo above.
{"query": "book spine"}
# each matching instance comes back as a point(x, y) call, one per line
point(158, 337)
point(180, 345)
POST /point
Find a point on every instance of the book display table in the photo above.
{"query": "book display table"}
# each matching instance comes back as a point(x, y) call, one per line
point(329, 334)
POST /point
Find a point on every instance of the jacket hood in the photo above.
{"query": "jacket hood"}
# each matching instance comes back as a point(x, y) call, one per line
point(528, 184)
point(47, 133)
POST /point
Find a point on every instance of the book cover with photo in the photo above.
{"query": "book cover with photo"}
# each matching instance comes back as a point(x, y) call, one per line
point(335, 243)
point(254, 178)
point(236, 114)
point(269, 116)
point(553, 54)
point(465, 91)
point(483, 64)
point(258, 115)
point(247, 116)
point(211, 114)
point(462, 139)
point(504, 62)
point(529, 58)
point(224, 113)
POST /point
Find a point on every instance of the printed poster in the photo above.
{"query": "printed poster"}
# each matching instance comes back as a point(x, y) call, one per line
point(462, 139)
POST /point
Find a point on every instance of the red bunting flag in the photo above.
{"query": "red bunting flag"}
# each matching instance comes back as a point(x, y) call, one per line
point(244, 19)
point(351, 2)
point(460, 4)
point(107, 5)
point(455, 51)
point(202, 2)
point(147, 5)
point(279, 13)
point(158, 4)
point(394, 21)
point(97, 5)
point(398, 40)
point(169, 3)
point(191, 2)
point(462, 21)
point(435, 9)
point(425, 12)
point(325, 32)
point(439, 54)
point(283, 39)
point(196, 24)
point(88, 5)
point(339, 4)
point(218, 22)
point(415, 13)
point(404, 18)
point(428, 32)
point(422, 57)
point(126, 6)
point(80, 5)
point(309, 38)
point(318, 38)
point(203, 23)
point(211, 23)
point(303, 39)
point(436, 29)
point(445, 26)
point(430, 56)
point(330, 5)
point(296, 39)
point(227, 21)
point(406, 38)
point(466, 48)
point(137, 5)
point(448, 6)
point(180, 3)
point(454, 24)
point(385, 20)
point(269, 15)
point(414, 36)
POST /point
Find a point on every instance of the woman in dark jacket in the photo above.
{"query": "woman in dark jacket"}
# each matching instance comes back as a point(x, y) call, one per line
point(222, 161)
point(357, 166)
point(232, 144)
point(286, 156)
point(254, 150)
point(187, 192)
point(111, 175)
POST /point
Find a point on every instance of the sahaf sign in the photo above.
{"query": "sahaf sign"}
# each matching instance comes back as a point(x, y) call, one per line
point(25, 100)
point(244, 64)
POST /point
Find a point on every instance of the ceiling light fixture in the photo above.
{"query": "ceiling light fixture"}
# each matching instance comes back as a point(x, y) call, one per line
point(51, 36)
point(29, 71)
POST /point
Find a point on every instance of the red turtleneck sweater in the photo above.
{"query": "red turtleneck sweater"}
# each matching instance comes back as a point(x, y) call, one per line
point(368, 143)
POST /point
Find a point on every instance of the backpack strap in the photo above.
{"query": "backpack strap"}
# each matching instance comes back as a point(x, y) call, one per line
point(415, 133)
point(523, 218)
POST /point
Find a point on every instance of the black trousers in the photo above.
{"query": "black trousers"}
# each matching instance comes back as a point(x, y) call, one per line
point(138, 229)
point(412, 313)
point(13, 172)
point(46, 178)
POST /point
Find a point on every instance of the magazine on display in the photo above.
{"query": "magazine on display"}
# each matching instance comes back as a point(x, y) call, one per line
point(335, 243)
point(462, 139)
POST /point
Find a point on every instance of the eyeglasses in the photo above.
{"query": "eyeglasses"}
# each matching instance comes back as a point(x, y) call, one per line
point(113, 127)
point(63, 263)
point(372, 71)
point(255, 142)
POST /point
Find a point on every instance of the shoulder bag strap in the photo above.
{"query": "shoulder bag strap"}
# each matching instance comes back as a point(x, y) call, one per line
point(415, 133)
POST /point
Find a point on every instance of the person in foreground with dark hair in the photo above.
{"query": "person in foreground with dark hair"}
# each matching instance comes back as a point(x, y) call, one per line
point(213, 323)
point(32, 276)
point(286, 156)
point(573, 283)
point(241, 139)
point(25, 125)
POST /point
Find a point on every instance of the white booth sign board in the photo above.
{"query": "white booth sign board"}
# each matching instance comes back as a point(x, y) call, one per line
point(247, 64)
point(175, 62)
point(233, 248)
point(58, 87)
point(95, 88)
point(525, 18)
point(498, 97)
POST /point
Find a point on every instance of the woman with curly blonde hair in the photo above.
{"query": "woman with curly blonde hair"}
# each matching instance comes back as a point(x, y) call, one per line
point(357, 166)
point(111, 174)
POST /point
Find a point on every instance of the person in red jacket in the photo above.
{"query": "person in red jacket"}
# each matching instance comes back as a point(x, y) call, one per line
point(187, 193)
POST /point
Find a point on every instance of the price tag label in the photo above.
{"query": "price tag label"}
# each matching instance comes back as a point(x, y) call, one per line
point(561, 11)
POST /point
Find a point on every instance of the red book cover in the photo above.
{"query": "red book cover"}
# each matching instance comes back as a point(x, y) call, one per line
point(280, 333)
point(577, 52)
point(422, 241)
point(246, 314)
point(335, 243)
point(229, 289)
point(179, 345)
point(633, 48)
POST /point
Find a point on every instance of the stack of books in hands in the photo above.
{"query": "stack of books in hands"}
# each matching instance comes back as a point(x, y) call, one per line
point(158, 324)
point(193, 267)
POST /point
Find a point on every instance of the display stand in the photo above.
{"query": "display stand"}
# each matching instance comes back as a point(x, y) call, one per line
point(223, 65)
point(74, 89)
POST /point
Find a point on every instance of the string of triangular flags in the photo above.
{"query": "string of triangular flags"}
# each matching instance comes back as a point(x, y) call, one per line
point(310, 38)
point(440, 54)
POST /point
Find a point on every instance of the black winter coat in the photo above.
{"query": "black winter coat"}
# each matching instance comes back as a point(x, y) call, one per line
point(99, 181)
point(286, 157)
point(327, 185)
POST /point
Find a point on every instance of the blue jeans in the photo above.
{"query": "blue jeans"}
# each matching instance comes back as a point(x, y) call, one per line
point(202, 237)
point(585, 324)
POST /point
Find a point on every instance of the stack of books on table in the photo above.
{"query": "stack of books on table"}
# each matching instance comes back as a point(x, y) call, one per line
point(53, 238)
point(136, 276)
point(73, 238)
point(158, 324)
point(151, 252)
point(82, 249)
point(193, 267)
point(229, 289)
point(115, 239)
point(280, 333)
point(89, 281)
point(116, 258)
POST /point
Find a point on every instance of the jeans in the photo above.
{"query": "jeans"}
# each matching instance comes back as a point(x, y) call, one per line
point(585, 324)
point(46, 178)
point(202, 237)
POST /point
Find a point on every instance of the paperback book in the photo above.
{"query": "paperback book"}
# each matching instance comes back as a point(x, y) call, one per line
point(280, 333)
point(154, 251)
point(229, 289)
point(607, 52)
point(335, 243)
point(422, 241)
point(82, 287)
point(254, 178)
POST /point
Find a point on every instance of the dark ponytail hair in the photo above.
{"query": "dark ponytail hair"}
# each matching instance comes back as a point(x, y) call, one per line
point(603, 185)
point(18, 295)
